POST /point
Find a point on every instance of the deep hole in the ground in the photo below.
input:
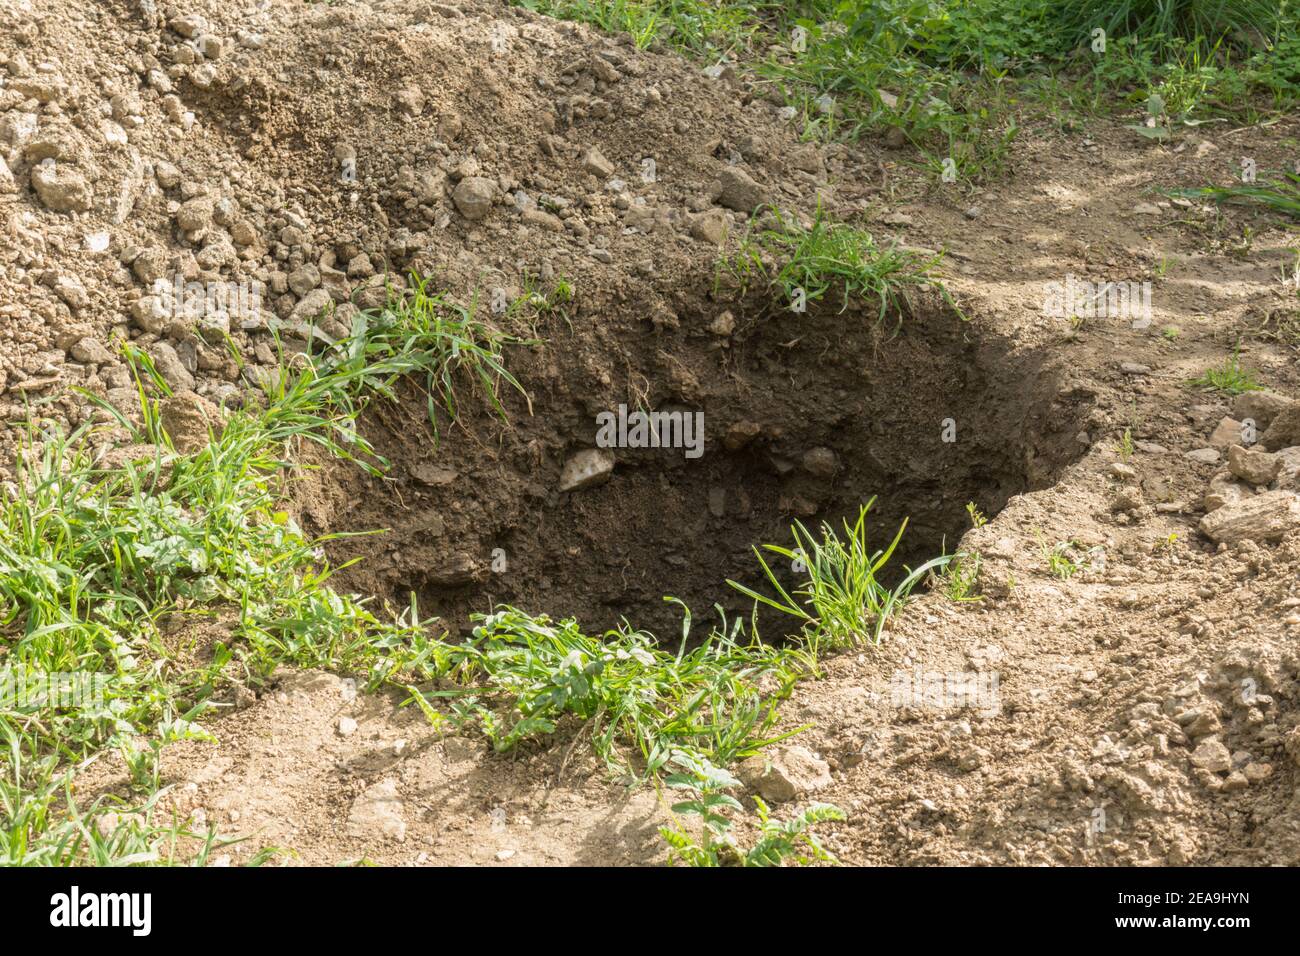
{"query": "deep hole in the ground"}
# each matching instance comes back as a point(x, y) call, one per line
point(928, 419)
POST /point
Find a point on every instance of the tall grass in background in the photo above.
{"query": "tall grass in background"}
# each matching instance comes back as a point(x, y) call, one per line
point(952, 76)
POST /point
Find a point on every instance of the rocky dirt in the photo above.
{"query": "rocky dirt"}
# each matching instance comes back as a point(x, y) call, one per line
point(1146, 709)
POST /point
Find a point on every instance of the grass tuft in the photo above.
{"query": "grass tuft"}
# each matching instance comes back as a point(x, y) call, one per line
point(843, 600)
point(420, 333)
point(1281, 196)
point(1231, 378)
point(828, 257)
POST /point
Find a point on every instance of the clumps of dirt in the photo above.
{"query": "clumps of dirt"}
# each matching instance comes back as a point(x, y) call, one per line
point(184, 176)
point(798, 415)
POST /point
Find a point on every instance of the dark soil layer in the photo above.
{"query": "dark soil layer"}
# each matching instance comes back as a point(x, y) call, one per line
point(476, 519)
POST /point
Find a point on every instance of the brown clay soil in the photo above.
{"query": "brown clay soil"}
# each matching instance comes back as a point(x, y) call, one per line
point(1157, 689)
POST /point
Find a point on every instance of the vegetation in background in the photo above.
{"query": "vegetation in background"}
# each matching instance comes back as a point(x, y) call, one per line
point(1169, 21)
point(952, 77)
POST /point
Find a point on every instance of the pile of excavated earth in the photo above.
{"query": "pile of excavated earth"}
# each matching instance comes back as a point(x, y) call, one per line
point(300, 161)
